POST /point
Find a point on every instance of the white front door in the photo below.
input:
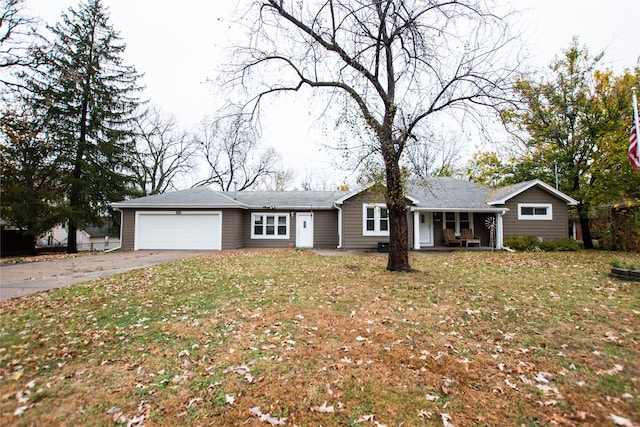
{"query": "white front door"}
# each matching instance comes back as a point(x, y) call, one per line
point(426, 228)
point(304, 230)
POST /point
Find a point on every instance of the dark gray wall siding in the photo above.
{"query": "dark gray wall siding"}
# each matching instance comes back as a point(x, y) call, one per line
point(557, 228)
point(248, 242)
point(232, 223)
point(128, 229)
point(325, 229)
point(352, 237)
point(480, 229)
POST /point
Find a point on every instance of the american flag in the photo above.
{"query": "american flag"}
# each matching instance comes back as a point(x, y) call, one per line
point(633, 148)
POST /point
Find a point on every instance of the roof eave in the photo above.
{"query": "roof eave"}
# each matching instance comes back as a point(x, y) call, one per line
point(293, 208)
point(119, 205)
point(570, 200)
point(468, 209)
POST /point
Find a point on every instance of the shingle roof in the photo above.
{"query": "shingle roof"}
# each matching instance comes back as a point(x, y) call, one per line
point(204, 197)
point(502, 193)
point(199, 197)
point(287, 199)
point(436, 193)
point(444, 193)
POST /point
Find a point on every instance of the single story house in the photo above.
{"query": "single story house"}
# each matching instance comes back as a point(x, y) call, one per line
point(204, 219)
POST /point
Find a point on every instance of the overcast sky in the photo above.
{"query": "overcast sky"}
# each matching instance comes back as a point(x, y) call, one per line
point(179, 45)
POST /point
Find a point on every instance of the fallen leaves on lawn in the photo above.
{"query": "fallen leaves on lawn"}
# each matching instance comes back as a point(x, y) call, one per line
point(267, 418)
point(322, 341)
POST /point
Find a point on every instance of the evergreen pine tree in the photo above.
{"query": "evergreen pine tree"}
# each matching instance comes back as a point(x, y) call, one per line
point(88, 99)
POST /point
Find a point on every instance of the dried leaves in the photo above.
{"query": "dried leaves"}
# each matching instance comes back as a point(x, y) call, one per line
point(290, 338)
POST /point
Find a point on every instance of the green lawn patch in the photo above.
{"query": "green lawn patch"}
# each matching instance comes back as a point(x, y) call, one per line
point(259, 337)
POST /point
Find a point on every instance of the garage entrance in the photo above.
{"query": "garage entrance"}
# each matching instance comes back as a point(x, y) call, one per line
point(190, 230)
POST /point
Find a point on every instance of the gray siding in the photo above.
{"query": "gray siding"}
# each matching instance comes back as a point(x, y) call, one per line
point(128, 229)
point(352, 237)
point(232, 224)
point(480, 228)
point(236, 230)
point(557, 228)
point(248, 242)
point(325, 229)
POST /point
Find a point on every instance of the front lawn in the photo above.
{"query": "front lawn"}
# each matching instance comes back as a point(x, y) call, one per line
point(294, 338)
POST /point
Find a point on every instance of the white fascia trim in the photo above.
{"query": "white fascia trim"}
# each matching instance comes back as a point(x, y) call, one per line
point(547, 217)
point(174, 206)
point(570, 201)
point(471, 210)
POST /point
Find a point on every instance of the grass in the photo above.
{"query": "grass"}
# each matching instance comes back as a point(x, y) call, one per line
point(487, 338)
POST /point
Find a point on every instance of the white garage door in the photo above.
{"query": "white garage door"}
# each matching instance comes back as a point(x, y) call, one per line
point(170, 230)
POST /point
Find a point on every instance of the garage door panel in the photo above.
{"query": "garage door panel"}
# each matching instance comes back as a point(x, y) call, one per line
point(178, 231)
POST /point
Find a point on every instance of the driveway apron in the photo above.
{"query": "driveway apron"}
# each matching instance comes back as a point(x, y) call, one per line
point(27, 278)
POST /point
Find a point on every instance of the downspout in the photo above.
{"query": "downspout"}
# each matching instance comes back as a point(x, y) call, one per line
point(339, 226)
point(119, 246)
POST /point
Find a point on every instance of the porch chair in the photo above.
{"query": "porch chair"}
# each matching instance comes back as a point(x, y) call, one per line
point(449, 237)
point(468, 237)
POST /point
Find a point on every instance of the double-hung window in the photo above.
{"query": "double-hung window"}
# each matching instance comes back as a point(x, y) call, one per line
point(535, 211)
point(458, 221)
point(269, 226)
point(375, 220)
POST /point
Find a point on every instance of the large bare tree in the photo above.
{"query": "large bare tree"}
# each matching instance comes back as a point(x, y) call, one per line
point(230, 147)
point(164, 153)
point(397, 63)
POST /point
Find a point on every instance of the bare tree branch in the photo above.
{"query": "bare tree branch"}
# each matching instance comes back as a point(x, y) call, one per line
point(400, 62)
point(18, 38)
point(164, 153)
point(231, 152)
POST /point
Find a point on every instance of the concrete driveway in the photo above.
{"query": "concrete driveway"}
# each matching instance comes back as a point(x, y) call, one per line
point(27, 278)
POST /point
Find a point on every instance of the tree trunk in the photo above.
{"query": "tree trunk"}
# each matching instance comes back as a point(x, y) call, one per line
point(583, 212)
point(398, 226)
point(72, 242)
point(32, 246)
point(398, 239)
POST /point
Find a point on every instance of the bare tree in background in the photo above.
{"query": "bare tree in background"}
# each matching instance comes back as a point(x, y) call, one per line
point(435, 156)
point(164, 153)
point(18, 34)
point(233, 157)
point(397, 63)
point(279, 180)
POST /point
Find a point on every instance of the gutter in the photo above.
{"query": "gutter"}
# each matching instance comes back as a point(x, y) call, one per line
point(119, 246)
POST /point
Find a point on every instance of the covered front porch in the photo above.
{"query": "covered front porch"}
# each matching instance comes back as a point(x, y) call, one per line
point(457, 229)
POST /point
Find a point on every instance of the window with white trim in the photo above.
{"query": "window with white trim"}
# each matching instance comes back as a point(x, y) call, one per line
point(375, 220)
point(535, 211)
point(458, 220)
point(269, 226)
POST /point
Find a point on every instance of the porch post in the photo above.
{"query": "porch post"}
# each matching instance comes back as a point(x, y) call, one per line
point(499, 234)
point(416, 230)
